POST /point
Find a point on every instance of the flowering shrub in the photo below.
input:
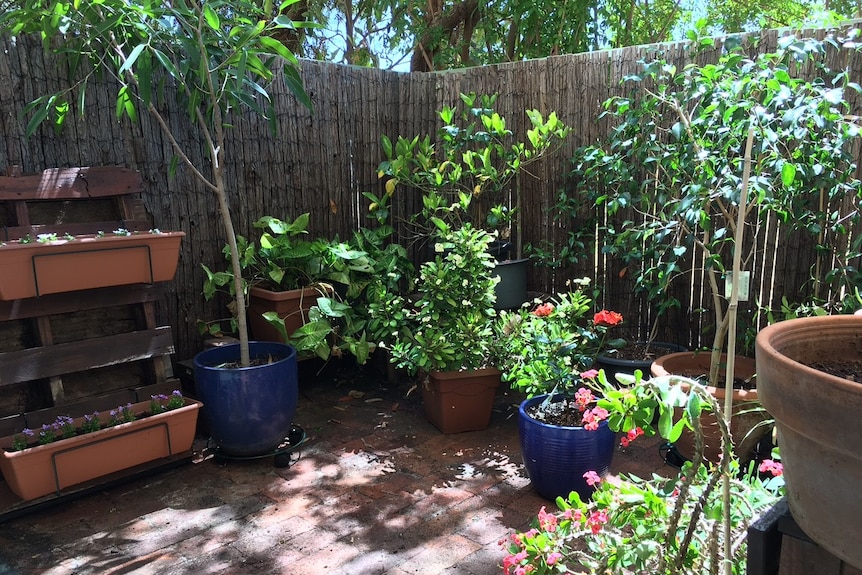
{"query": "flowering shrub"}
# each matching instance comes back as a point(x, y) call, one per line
point(65, 427)
point(657, 525)
point(450, 327)
point(546, 349)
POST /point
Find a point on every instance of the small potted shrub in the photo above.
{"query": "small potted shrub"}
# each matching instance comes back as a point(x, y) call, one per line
point(446, 332)
point(466, 174)
point(547, 353)
point(693, 523)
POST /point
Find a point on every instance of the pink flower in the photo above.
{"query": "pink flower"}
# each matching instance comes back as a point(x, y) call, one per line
point(593, 416)
point(596, 520)
point(771, 466)
point(592, 478)
point(583, 397)
point(554, 557)
point(547, 521)
point(573, 514)
point(590, 374)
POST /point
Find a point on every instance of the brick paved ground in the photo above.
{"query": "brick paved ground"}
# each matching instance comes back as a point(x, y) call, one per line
point(377, 490)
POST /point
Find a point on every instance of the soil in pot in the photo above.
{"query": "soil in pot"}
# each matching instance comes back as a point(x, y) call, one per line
point(643, 351)
point(561, 413)
point(851, 370)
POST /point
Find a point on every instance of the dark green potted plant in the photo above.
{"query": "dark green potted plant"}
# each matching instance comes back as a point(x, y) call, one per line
point(446, 334)
point(301, 291)
point(218, 57)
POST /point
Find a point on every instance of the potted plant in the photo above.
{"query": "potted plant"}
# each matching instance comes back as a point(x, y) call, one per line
point(446, 332)
point(69, 451)
point(56, 263)
point(692, 188)
point(464, 177)
point(684, 524)
point(300, 291)
point(219, 57)
point(809, 371)
point(547, 353)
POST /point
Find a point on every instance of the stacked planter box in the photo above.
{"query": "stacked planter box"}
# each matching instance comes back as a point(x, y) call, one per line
point(41, 306)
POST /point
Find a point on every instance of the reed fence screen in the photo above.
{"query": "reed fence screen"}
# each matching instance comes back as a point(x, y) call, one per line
point(321, 161)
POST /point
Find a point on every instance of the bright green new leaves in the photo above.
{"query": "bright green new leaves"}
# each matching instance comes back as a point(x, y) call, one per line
point(215, 51)
point(474, 155)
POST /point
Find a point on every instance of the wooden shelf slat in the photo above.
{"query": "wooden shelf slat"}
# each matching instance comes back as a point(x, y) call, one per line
point(64, 358)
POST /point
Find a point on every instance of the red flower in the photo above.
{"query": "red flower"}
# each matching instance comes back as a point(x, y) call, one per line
point(631, 436)
point(607, 318)
point(543, 310)
point(596, 520)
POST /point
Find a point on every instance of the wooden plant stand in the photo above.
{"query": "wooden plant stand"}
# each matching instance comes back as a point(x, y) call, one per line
point(22, 200)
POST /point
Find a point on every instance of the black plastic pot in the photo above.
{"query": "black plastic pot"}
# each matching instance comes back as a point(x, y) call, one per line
point(614, 365)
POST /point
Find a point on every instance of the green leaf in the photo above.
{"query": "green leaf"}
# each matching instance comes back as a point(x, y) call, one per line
point(211, 17)
point(277, 47)
point(293, 81)
point(131, 59)
point(693, 408)
point(40, 115)
point(676, 431)
point(665, 423)
point(788, 174)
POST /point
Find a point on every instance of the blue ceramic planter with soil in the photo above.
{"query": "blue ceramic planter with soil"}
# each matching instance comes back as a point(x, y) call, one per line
point(249, 410)
point(557, 457)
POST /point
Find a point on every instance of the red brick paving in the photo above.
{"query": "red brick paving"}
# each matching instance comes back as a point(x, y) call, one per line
point(377, 491)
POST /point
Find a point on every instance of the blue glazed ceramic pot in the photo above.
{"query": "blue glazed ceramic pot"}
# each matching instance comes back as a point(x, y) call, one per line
point(249, 410)
point(556, 457)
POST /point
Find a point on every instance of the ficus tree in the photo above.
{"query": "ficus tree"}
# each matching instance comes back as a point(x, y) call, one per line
point(670, 175)
point(216, 56)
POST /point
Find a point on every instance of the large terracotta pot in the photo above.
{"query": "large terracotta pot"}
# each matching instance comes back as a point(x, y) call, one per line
point(745, 425)
point(457, 401)
point(87, 262)
point(818, 417)
point(45, 469)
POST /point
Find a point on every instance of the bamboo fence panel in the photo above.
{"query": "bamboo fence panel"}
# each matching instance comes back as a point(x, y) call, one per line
point(320, 161)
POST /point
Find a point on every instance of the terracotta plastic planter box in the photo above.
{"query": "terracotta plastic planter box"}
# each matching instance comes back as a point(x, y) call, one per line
point(46, 469)
point(87, 262)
